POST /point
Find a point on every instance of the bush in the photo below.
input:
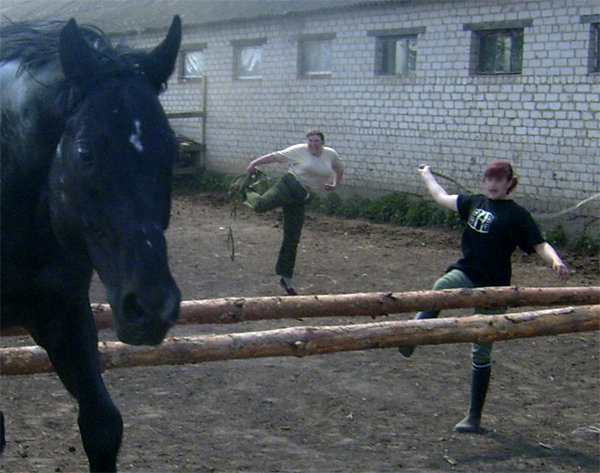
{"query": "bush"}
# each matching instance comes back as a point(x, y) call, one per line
point(389, 208)
point(356, 206)
point(210, 181)
point(556, 236)
point(332, 204)
point(395, 208)
point(590, 245)
point(206, 181)
point(419, 214)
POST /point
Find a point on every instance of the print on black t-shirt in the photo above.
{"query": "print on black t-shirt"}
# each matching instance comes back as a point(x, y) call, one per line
point(481, 220)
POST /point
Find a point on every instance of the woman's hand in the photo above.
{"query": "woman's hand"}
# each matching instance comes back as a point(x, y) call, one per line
point(549, 254)
point(424, 170)
point(438, 193)
point(265, 159)
point(561, 270)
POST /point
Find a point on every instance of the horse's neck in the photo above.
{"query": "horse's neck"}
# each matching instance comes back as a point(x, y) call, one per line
point(31, 121)
point(31, 127)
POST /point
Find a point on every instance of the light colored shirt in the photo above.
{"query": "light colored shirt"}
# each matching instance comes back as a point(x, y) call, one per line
point(311, 171)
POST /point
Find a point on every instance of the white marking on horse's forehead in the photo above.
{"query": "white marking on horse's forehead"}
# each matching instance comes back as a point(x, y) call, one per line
point(136, 137)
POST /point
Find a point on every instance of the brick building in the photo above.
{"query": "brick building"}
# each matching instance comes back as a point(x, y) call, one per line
point(392, 84)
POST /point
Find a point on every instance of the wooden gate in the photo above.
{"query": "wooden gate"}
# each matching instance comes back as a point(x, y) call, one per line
point(192, 152)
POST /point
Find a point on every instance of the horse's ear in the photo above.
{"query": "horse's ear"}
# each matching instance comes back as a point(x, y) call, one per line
point(161, 61)
point(76, 56)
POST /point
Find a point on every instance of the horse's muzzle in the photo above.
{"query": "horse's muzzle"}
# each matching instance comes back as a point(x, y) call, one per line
point(145, 321)
point(144, 296)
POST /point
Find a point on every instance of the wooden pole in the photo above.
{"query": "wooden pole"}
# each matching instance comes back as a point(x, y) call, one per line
point(231, 310)
point(243, 309)
point(303, 341)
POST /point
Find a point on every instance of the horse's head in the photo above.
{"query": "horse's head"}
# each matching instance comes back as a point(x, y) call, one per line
point(111, 177)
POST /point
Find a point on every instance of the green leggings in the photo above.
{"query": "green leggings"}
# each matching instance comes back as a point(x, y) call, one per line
point(291, 196)
point(481, 355)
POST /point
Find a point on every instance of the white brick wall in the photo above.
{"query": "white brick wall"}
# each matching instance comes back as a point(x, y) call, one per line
point(546, 121)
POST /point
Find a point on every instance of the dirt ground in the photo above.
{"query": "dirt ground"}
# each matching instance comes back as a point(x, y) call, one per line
point(363, 411)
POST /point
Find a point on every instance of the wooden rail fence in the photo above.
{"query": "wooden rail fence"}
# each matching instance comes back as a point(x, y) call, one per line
point(313, 340)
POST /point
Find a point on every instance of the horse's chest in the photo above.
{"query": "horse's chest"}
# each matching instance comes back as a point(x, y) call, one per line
point(32, 259)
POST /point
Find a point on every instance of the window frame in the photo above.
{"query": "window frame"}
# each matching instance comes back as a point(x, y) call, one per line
point(482, 31)
point(303, 40)
point(594, 49)
point(492, 63)
point(395, 35)
point(238, 47)
point(190, 49)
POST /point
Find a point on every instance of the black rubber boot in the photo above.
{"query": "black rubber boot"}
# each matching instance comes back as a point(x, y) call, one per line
point(407, 352)
point(479, 386)
point(2, 436)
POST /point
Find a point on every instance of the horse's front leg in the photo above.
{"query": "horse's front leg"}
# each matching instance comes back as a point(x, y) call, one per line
point(72, 345)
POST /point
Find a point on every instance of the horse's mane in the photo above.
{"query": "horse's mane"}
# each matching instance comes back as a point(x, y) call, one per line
point(35, 44)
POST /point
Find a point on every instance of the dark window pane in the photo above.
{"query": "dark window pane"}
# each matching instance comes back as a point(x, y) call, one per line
point(500, 52)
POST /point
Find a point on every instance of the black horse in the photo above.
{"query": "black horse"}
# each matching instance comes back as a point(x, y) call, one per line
point(87, 156)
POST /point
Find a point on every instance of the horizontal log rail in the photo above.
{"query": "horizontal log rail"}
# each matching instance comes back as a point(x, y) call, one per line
point(232, 310)
point(316, 340)
point(243, 309)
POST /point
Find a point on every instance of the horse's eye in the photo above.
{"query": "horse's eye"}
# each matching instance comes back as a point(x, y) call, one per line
point(84, 154)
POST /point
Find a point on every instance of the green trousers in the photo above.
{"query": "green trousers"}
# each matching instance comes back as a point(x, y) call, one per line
point(453, 279)
point(291, 196)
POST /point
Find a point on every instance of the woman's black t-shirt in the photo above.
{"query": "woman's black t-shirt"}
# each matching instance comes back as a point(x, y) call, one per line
point(494, 229)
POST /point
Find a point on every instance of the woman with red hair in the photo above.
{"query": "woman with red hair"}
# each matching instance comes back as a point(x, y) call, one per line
point(495, 226)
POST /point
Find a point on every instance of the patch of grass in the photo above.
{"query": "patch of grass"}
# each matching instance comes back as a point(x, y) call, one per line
point(556, 236)
point(394, 208)
point(206, 181)
point(584, 243)
point(354, 206)
point(332, 204)
point(589, 244)
point(389, 208)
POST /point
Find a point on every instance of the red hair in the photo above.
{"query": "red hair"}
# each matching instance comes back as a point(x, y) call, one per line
point(501, 169)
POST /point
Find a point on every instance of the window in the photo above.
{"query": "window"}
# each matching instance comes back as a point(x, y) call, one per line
point(249, 62)
point(594, 53)
point(397, 55)
point(314, 56)
point(248, 58)
point(193, 64)
point(396, 51)
point(497, 48)
point(500, 52)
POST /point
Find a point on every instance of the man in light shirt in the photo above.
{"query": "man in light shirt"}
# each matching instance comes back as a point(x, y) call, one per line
point(314, 168)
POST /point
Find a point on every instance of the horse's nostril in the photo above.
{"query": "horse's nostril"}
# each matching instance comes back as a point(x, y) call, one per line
point(171, 312)
point(171, 316)
point(141, 311)
point(132, 310)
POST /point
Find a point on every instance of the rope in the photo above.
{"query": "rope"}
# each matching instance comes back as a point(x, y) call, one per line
point(237, 193)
